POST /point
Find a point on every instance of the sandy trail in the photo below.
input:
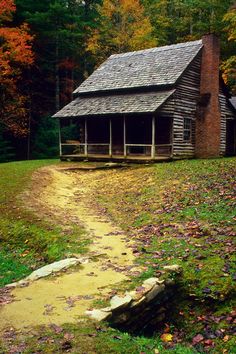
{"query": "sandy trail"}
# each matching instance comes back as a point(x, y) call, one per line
point(63, 299)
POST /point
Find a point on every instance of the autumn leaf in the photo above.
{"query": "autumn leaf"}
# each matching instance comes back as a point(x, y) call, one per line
point(197, 339)
point(166, 337)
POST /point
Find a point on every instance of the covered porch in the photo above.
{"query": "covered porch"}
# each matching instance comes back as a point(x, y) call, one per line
point(117, 138)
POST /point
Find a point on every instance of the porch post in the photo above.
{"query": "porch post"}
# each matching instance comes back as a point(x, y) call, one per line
point(153, 137)
point(85, 137)
point(110, 144)
point(59, 137)
point(125, 152)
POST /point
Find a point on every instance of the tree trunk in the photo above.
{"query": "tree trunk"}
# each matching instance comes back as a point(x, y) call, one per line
point(57, 77)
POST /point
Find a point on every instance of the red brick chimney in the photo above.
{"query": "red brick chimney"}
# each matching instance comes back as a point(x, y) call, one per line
point(208, 113)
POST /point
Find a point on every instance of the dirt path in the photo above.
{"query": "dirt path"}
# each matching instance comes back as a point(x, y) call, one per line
point(66, 297)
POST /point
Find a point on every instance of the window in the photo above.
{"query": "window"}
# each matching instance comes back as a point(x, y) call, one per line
point(187, 135)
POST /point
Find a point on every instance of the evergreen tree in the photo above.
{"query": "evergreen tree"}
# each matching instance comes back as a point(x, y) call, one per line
point(6, 149)
point(45, 144)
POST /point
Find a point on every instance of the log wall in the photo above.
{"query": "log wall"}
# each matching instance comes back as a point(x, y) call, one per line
point(226, 113)
point(182, 105)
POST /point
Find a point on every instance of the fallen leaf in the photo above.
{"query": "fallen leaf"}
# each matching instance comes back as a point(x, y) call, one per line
point(226, 338)
point(166, 337)
point(197, 339)
point(209, 343)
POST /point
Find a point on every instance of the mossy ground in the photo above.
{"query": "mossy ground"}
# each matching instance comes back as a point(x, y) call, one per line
point(183, 213)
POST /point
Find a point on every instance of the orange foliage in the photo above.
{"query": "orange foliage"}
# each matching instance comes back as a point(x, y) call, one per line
point(15, 55)
point(6, 9)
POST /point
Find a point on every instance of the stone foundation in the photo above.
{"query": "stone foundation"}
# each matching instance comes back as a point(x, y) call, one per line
point(143, 307)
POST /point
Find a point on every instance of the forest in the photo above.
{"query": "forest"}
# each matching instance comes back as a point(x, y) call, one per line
point(48, 47)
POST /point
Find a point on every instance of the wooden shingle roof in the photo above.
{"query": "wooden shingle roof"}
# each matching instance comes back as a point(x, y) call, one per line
point(144, 68)
point(115, 104)
point(134, 82)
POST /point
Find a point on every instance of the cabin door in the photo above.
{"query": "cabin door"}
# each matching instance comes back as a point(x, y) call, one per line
point(118, 136)
point(230, 137)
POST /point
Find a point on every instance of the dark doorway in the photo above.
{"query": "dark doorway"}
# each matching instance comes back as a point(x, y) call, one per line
point(163, 136)
point(98, 136)
point(163, 130)
point(230, 137)
point(138, 130)
point(98, 131)
point(118, 136)
point(139, 135)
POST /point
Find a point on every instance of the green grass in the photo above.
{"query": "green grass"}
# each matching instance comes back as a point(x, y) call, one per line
point(186, 212)
point(26, 242)
point(89, 338)
point(183, 213)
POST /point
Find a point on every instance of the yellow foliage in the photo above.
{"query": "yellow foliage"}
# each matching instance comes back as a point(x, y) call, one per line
point(166, 337)
point(124, 27)
point(230, 20)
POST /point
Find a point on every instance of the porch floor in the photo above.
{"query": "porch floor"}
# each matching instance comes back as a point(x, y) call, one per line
point(130, 158)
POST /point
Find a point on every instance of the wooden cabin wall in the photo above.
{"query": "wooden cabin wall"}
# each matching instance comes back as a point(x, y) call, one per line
point(223, 110)
point(182, 105)
point(186, 98)
point(226, 113)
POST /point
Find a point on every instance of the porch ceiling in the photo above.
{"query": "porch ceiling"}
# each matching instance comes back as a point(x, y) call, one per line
point(147, 102)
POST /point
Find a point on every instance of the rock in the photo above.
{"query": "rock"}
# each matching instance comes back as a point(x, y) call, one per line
point(138, 302)
point(52, 268)
point(106, 309)
point(20, 283)
point(143, 306)
point(152, 281)
point(11, 285)
point(135, 295)
point(173, 268)
point(46, 270)
point(158, 319)
point(124, 317)
point(154, 292)
point(98, 315)
point(169, 282)
point(118, 302)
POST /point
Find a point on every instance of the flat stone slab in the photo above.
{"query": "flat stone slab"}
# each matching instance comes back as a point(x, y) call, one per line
point(154, 292)
point(152, 281)
point(47, 270)
point(98, 315)
point(173, 268)
point(118, 302)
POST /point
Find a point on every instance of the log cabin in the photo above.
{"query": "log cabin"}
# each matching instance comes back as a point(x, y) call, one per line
point(156, 104)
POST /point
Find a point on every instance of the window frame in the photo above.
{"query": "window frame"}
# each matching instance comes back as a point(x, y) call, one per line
point(187, 129)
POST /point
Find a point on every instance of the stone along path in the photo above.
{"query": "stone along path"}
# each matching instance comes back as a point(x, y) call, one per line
point(65, 298)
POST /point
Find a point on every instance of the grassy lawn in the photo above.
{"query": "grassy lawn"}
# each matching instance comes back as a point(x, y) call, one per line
point(26, 242)
point(89, 338)
point(178, 213)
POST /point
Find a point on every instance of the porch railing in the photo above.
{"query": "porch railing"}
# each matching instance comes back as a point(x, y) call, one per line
point(72, 149)
point(106, 149)
point(163, 150)
point(84, 149)
point(138, 149)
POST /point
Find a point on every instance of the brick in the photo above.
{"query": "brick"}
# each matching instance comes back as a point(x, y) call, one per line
point(208, 122)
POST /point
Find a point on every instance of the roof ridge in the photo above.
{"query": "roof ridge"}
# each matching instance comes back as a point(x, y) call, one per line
point(156, 49)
